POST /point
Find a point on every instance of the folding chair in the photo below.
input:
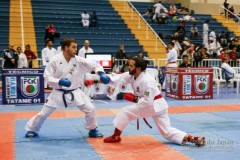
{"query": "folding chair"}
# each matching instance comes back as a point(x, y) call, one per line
point(217, 77)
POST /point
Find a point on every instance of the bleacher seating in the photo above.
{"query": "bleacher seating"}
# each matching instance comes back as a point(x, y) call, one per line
point(66, 17)
point(170, 28)
point(4, 28)
point(4, 25)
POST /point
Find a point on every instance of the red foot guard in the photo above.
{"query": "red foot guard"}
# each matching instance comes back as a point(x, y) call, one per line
point(199, 141)
point(112, 139)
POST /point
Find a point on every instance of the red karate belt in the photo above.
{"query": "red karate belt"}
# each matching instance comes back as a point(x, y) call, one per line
point(155, 98)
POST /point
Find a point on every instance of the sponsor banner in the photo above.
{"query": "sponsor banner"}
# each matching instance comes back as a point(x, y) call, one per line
point(174, 83)
point(22, 86)
point(201, 83)
point(168, 82)
point(190, 83)
point(187, 83)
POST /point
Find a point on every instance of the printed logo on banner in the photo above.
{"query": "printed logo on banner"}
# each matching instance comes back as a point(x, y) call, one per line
point(30, 86)
point(187, 84)
point(110, 90)
point(97, 88)
point(123, 87)
point(11, 87)
point(201, 83)
point(167, 82)
point(174, 83)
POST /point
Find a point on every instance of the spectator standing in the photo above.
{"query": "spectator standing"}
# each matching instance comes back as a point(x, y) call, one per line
point(171, 58)
point(212, 35)
point(226, 4)
point(158, 6)
point(231, 14)
point(46, 31)
point(30, 55)
point(22, 59)
point(177, 46)
point(47, 53)
point(121, 54)
point(205, 31)
point(52, 33)
point(85, 19)
point(10, 57)
point(85, 49)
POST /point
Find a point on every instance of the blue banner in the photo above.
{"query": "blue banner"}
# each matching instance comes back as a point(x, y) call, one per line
point(22, 86)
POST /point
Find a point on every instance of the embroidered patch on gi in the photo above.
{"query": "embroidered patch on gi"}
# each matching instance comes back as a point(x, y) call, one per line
point(110, 90)
point(138, 89)
point(146, 93)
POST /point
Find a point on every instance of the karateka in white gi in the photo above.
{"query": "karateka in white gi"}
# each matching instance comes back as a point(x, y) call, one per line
point(229, 71)
point(171, 58)
point(85, 49)
point(22, 59)
point(148, 103)
point(47, 53)
point(85, 19)
point(64, 73)
point(158, 7)
point(205, 31)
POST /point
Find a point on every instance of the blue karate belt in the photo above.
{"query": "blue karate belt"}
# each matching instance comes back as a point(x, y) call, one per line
point(66, 92)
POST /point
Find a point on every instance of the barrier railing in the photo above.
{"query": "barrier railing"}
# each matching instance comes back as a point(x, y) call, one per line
point(227, 15)
point(148, 26)
point(158, 63)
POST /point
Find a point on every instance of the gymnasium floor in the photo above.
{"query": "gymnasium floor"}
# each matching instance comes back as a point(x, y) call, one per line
point(63, 136)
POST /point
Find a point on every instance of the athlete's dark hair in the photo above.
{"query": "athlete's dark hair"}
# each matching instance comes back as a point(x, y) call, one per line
point(67, 42)
point(139, 62)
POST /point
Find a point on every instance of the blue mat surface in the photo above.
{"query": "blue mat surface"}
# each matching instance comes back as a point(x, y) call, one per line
point(71, 149)
point(52, 129)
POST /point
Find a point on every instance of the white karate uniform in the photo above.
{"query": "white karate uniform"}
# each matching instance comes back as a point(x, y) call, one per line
point(22, 61)
point(83, 50)
point(229, 70)
point(144, 86)
point(205, 33)
point(216, 47)
point(212, 36)
point(158, 8)
point(85, 19)
point(73, 70)
point(171, 58)
point(59, 49)
point(209, 49)
point(47, 55)
point(178, 47)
